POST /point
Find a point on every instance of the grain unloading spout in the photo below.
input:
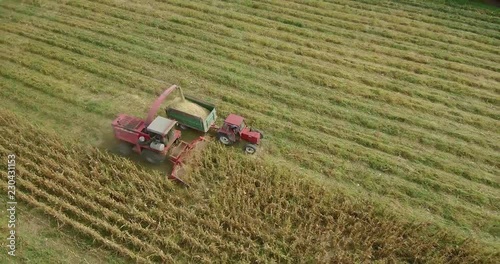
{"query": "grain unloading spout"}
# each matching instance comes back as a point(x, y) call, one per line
point(179, 153)
point(159, 101)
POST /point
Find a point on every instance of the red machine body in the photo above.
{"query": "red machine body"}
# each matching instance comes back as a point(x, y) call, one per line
point(153, 137)
point(234, 129)
point(131, 129)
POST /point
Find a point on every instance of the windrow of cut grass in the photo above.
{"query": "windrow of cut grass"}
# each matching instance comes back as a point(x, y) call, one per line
point(392, 119)
point(238, 208)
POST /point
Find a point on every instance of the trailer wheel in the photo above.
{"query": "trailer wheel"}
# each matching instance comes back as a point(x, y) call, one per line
point(224, 139)
point(124, 148)
point(152, 157)
point(250, 148)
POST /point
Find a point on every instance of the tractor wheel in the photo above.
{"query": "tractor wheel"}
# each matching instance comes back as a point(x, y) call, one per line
point(224, 139)
point(124, 148)
point(152, 157)
point(250, 148)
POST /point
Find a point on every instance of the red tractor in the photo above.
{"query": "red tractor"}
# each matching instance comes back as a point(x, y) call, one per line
point(153, 138)
point(234, 129)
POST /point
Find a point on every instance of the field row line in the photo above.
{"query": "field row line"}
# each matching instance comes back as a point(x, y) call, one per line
point(37, 102)
point(403, 13)
point(489, 97)
point(310, 53)
point(348, 43)
point(56, 166)
point(326, 32)
point(92, 222)
point(489, 126)
point(82, 228)
point(365, 80)
point(373, 158)
point(61, 191)
point(48, 89)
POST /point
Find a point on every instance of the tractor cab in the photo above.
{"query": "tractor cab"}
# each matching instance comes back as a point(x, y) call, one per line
point(234, 129)
point(234, 123)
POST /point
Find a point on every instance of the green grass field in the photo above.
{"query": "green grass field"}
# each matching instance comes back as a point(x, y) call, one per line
point(392, 104)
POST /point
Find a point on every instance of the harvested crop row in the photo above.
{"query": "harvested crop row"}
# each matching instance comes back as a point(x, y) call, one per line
point(94, 16)
point(338, 28)
point(382, 25)
point(472, 155)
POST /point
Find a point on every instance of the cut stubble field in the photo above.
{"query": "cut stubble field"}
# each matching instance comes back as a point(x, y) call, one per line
point(392, 102)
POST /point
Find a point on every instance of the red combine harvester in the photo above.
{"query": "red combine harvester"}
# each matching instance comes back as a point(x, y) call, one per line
point(154, 138)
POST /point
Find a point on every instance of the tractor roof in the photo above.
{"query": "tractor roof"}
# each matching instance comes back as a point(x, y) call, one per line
point(234, 119)
point(161, 125)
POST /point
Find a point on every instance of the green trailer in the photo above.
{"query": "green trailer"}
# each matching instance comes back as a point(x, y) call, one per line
point(194, 122)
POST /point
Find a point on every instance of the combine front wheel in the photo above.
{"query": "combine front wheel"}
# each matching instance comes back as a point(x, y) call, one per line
point(152, 157)
point(124, 148)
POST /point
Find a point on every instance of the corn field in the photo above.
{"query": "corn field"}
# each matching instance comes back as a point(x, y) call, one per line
point(381, 121)
point(231, 214)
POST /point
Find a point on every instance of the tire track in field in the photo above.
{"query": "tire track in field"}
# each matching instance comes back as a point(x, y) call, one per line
point(384, 9)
